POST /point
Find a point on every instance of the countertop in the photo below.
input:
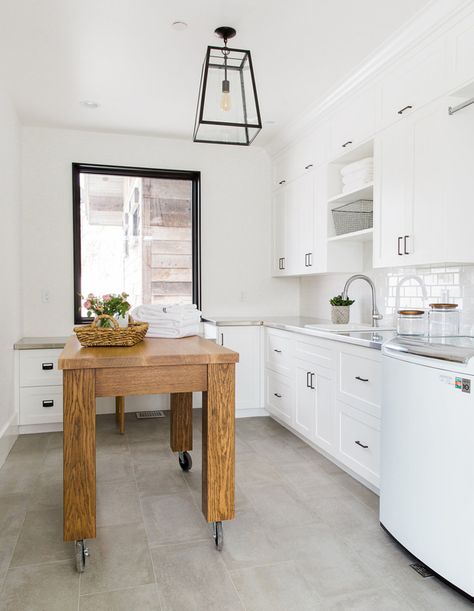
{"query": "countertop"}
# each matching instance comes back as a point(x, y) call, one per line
point(297, 324)
point(40, 343)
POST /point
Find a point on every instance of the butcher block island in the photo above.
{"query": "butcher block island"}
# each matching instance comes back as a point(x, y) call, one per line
point(176, 366)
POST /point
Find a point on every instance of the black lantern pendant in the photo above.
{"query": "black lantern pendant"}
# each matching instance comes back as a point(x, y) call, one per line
point(227, 111)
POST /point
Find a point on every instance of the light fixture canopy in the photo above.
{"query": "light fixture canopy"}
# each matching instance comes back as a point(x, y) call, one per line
point(228, 111)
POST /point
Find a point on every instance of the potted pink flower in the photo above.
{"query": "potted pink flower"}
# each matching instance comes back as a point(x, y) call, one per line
point(113, 304)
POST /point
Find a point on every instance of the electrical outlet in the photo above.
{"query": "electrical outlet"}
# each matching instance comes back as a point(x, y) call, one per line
point(45, 295)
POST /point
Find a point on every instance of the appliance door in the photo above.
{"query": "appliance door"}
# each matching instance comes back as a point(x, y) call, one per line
point(427, 466)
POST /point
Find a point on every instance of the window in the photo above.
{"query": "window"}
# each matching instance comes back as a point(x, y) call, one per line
point(136, 230)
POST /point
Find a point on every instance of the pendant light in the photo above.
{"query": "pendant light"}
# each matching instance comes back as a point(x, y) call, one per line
point(227, 110)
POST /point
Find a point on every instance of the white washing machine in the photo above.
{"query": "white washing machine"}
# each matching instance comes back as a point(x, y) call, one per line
point(427, 453)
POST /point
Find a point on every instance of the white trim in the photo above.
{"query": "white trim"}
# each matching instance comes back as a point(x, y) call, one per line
point(49, 427)
point(430, 21)
point(251, 412)
point(8, 436)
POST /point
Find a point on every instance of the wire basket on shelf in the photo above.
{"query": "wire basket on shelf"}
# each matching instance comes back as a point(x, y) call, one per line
point(352, 217)
point(94, 336)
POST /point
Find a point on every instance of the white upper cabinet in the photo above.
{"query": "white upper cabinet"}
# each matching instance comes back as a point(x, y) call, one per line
point(461, 53)
point(354, 122)
point(414, 82)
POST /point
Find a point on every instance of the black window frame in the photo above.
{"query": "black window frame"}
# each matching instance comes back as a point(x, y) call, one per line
point(88, 168)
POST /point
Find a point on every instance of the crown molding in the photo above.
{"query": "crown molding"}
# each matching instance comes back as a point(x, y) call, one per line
point(431, 21)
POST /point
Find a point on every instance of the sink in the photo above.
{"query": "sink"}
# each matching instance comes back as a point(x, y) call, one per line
point(352, 326)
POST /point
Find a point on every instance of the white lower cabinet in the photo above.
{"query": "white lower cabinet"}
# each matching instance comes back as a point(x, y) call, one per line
point(247, 341)
point(328, 392)
point(41, 387)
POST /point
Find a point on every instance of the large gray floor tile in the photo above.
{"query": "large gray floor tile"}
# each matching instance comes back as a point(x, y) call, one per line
point(163, 477)
point(41, 539)
point(47, 493)
point(371, 600)
point(18, 478)
point(12, 515)
point(114, 464)
point(43, 587)
point(192, 577)
point(117, 503)
point(255, 469)
point(119, 558)
point(141, 598)
point(29, 448)
point(277, 587)
point(172, 518)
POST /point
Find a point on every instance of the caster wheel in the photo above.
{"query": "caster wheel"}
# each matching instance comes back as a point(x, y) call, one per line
point(218, 534)
point(185, 461)
point(81, 553)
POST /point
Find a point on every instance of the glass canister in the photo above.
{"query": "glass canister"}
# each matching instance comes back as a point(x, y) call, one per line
point(411, 322)
point(443, 320)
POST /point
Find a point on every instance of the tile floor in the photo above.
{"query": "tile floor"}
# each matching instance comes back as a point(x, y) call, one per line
point(306, 536)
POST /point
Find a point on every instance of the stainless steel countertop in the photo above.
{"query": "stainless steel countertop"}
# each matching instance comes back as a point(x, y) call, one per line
point(297, 324)
point(40, 343)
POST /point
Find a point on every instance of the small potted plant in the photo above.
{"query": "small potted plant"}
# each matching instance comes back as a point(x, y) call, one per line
point(112, 304)
point(340, 309)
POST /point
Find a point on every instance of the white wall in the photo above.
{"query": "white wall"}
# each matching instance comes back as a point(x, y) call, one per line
point(236, 228)
point(10, 272)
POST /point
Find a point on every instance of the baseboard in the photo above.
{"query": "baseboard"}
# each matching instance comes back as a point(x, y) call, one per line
point(252, 412)
point(8, 436)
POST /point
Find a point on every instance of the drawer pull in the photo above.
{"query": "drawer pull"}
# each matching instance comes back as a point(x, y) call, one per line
point(361, 379)
point(275, 350)
point(47, 366)
point(402, 110)
point(310, 165)
point(346, 144)
point(361, 444)
point(277, 395)
point(48, 403)
point(281, 182)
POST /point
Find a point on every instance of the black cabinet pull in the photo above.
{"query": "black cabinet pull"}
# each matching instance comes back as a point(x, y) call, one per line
point(222, 339)
point(362, 379)
point(47, 366)
point(282, 182)
point(275, 350)
point(283, 263)
point(311, 381)
point(308, 382)
point(400, 245)
point(402, 110)
point(346, 144)
point(361, 445)
point(405, 250)
point(310, 165)
point(48, 403)
point(308, 259)
point(277, 395)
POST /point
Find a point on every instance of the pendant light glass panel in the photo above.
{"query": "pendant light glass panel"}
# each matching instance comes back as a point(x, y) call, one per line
point(227, 111)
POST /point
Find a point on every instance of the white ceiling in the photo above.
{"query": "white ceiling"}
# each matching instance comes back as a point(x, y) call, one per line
point(145, 75)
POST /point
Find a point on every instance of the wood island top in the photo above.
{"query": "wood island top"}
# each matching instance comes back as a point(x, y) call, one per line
point(151, 352)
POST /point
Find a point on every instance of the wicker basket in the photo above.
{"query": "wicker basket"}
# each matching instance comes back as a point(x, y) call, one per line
point(353, 217)
point(94, 336)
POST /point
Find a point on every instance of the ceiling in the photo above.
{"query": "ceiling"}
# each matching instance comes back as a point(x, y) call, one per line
point(124, 55)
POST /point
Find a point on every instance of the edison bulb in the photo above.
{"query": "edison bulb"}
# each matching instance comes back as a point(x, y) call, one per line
point(226, 102)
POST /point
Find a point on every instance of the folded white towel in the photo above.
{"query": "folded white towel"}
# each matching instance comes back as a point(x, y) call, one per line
point(154, 313)
point(367, 162)
point(357, 175)
point(179, 307)
point(186, 331)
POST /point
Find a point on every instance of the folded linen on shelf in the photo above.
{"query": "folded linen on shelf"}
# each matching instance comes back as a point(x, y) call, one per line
point(359, 175)
point(362, 164)
point(172, 321)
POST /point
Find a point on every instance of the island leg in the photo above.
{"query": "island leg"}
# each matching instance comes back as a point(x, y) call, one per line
point(79, 440)
point(218, 444)
point(181, 422)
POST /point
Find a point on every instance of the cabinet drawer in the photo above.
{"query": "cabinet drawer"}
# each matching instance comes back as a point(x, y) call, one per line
point(360, 442)
point(279, 351)
point(41, 405)
point(40, 368)
point(279, 396)
point(319, 351)
point(360, 380)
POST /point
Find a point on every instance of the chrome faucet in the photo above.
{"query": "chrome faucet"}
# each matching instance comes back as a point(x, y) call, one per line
point(376, 316)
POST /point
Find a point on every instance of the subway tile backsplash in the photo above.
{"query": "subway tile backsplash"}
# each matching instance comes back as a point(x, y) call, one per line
point(396, 288)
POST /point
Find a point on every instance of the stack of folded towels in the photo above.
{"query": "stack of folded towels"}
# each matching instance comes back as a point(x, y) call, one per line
point(176, 320)
point(357, 174)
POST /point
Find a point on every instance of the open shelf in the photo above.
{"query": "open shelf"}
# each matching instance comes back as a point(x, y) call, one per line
point(364, 192)
point(364, 235)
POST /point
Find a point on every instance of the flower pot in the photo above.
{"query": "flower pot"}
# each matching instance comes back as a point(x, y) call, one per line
point(122, 320)
point(340, 315)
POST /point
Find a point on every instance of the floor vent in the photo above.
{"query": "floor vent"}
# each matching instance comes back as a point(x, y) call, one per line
point(421, 569)
point(152, 414)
